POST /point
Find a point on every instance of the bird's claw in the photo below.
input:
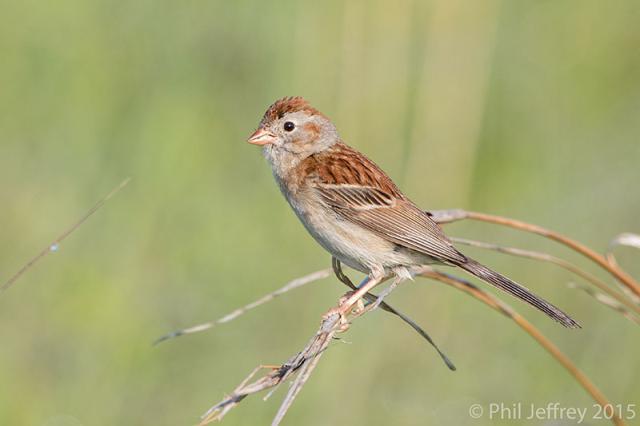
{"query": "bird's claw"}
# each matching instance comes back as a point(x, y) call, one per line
point(343, 322)
point(343, 310)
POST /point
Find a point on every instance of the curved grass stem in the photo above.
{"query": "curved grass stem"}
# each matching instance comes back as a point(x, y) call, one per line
point(506, 310)
point(544, 257)
point(447, 216)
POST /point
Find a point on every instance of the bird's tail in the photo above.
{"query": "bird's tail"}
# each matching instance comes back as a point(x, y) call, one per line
point(518, 291)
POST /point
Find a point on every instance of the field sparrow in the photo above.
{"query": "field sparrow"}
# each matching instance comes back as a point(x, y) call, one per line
point(355, 211)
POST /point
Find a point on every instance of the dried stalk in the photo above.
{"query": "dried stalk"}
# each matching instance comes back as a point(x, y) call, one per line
point(607, 301)
point(506, 310)
point(292, 285)
point(55, 244)
point(305, 361)
point(372, 298)
point(629, 240)
point(297, 283)
point(544, 257)
point(447, 216)
point(302, 364)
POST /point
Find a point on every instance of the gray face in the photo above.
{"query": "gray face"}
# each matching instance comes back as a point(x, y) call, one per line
point(302, 133)
point(297, 136)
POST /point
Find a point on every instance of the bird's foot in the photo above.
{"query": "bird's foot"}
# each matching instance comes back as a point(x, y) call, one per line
point(343, 322)
point(344, 309)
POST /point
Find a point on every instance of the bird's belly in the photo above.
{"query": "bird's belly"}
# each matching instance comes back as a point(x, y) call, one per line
point(353, 245)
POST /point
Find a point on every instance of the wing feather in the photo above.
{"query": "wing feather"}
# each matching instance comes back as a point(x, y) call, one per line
point(392, 218)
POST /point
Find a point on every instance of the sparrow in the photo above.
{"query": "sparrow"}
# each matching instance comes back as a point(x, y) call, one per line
point(356, 212)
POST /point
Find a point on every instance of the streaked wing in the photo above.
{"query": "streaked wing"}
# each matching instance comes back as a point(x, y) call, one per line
point(358, 191)
point(393, 218)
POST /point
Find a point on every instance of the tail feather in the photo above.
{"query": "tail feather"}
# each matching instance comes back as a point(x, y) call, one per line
point(518, 291)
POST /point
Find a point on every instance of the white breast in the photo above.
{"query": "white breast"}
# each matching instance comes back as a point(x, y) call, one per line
point(353, 245)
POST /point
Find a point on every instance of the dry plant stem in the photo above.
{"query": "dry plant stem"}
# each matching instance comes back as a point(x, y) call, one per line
point(446, 216)
point(629, 240)
point(291, 285)
point(303, 363)
point(504, 309)
point(316, 348)
point(372, 298)
point(346, 306)
point(608, 301)
point(53, 246)
point(333, 321)
point(224, 409)
point(619, 297)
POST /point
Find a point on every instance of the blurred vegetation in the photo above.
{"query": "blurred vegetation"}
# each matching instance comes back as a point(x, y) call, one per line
point(525, 109)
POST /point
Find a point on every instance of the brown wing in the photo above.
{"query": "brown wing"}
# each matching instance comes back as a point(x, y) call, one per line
point(360, 192)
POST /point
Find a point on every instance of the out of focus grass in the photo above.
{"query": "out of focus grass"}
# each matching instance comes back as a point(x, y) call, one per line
point(526, 109)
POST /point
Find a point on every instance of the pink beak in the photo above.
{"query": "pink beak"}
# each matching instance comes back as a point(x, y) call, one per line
point(261, 137)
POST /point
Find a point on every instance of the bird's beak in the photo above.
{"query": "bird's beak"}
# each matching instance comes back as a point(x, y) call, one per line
point(261, 137)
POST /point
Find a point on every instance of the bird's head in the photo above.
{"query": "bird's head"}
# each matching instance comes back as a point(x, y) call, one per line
point(293, 129)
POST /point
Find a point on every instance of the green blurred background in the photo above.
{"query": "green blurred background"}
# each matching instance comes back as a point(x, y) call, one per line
point(524, 109)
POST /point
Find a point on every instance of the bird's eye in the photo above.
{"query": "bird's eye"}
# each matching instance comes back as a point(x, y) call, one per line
point(289, 126)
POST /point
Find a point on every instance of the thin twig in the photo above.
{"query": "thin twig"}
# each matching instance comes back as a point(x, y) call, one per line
point(447, 216)
point(305, 361)
point(55, 244)
point(316, 349)
point(303, 364)
point(291, 285)
point(506, 310)
point(607, 301)
point(625, 239)
point(544, 257)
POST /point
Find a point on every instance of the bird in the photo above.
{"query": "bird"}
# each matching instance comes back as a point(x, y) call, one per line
point(353, 209)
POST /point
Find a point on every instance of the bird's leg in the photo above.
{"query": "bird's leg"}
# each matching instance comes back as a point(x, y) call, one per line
point(353, 298)
point(367, 284)
point(374, 304)
point(372, 298)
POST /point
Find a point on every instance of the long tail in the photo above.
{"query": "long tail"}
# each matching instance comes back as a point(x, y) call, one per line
point(518, 291)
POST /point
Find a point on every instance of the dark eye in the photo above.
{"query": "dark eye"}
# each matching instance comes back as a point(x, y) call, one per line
point(289, 126)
